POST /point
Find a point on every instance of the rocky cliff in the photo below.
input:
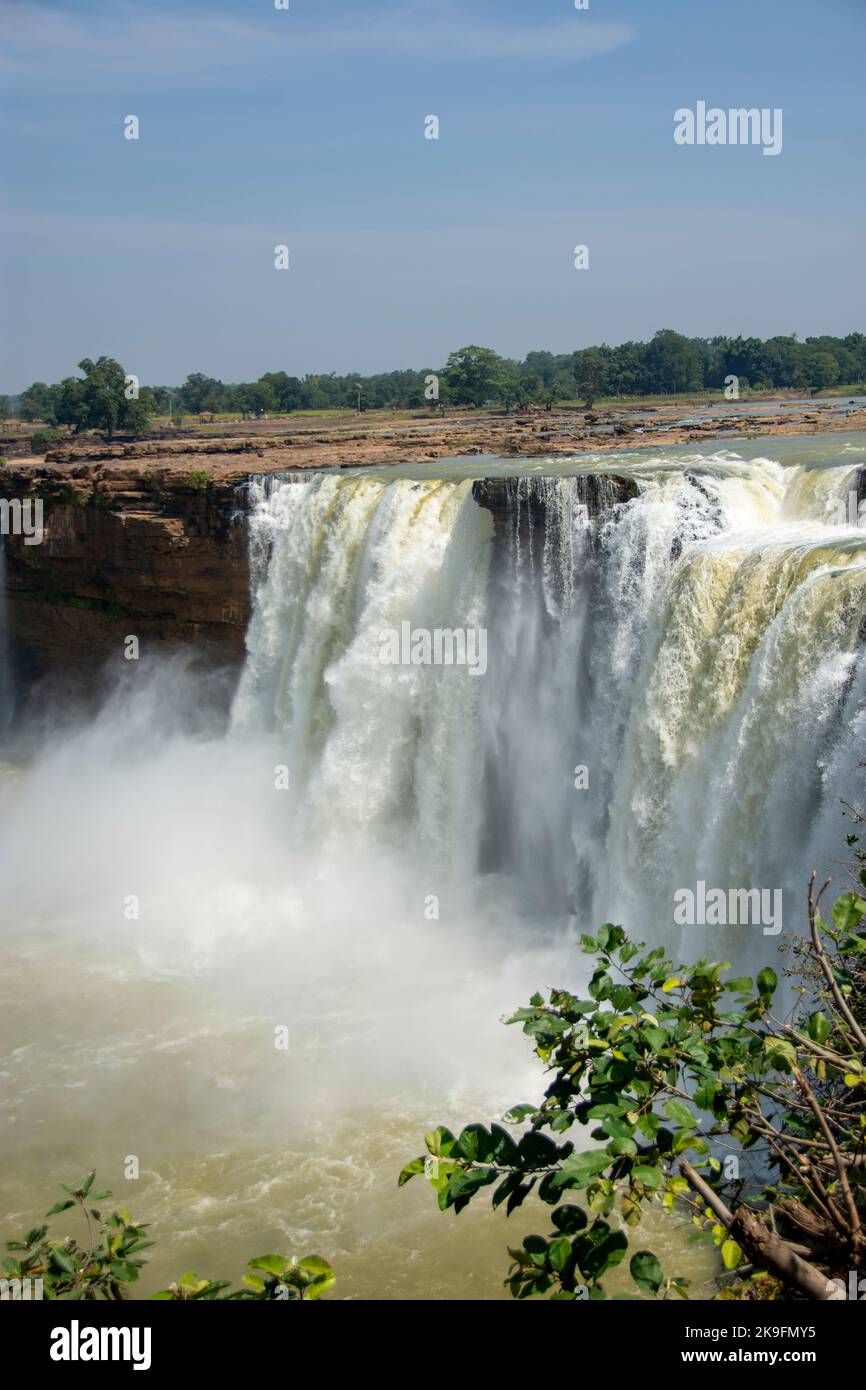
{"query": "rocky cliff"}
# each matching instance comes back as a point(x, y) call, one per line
point(146, 538)
point(151, 553)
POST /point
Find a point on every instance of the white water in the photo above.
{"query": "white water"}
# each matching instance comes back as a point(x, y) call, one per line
point(697, 648)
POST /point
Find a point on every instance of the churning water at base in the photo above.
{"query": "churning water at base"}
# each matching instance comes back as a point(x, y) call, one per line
point(684, 645)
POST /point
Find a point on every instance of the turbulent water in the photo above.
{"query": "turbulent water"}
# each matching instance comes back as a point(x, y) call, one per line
point(384, 858)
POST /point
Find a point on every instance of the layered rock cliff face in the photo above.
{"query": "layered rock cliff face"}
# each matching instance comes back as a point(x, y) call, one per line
point(153, 554)
point(147, 538)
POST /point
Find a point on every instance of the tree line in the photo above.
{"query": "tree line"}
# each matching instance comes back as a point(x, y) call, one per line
point(670, 363)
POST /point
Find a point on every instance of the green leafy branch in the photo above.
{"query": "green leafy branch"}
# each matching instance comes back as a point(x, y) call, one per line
point(671, 1068)
point(112, 1258)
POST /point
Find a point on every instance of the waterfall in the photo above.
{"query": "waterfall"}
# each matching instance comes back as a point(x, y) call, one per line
point(685, 629)
point(694, 644)
point(377, 753)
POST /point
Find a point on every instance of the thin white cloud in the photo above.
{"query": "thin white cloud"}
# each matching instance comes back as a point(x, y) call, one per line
point(123, 42)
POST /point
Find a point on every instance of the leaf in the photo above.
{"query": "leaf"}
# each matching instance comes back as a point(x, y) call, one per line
point(516, 1198)
point(680, 1114)
point(569, 1219)
point(277, 1265)
point(62, 1261)
point(537, 1150)
point(559, 1253)
point(547, 1189)
point(464, 1183)
point(650, 1177)
point(848, 912)
point(819, 1027)
point(618, 1147)
point(504, 1151)
point(440, 1142)
point(60, 1206)
point(411, 1170)
point(536, 1248)
point(671, 983)
point(767, 980)
point(325, 1277)
point(508, 1185)
point(518, 1113)
point(780, 1052)
point(579, 1170)
point(600, 1249)
point(475, 1144)
point(646, 1271)
point(731, 1254)
point(546, 1025)
point(316, 1266)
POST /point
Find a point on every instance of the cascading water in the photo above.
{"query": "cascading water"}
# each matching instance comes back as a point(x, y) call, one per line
point(697, 649)
point(687, 629)
point(377, 753)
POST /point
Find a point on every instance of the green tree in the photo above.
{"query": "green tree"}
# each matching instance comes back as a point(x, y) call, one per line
point(105, 403)
point(822, 370)
point(38, 403)
point(72, 403)
point(669, 1067)
point(672, 363)
point(287, 390)
point(590, 374)
point(474, 375)
point(255, 397)
point(200, 393)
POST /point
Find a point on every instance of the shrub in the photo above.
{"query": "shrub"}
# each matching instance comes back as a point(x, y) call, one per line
point(111, 1260)
point(43, 440)
point(668, 1064)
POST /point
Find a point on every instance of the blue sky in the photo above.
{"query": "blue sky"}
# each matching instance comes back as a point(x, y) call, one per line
point(306, 127)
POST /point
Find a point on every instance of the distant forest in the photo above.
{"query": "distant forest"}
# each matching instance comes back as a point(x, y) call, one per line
point(669, 364)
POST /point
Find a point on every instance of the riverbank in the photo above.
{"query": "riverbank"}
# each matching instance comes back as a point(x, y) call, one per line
point(226, 453)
